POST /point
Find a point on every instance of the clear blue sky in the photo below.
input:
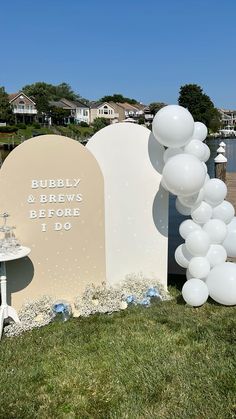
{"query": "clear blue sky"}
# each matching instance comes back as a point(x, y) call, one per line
point(142, 49)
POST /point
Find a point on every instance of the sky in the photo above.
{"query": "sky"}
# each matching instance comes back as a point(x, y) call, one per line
point(142, 49)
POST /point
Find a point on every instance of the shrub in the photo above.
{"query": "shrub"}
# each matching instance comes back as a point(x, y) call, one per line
point(8, 129)
point(36, 125)
point(84, 124)
point(21, 126)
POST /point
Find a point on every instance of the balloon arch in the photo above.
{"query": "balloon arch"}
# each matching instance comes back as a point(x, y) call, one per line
point(210, 234)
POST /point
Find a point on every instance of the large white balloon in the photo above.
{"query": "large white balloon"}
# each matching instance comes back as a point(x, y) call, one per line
point(195, 292)
point(184, 174)
point(216, 230)
point(207, 153)
point(199, 267)
point(200, 131)
point(196, 148)
point(216, 255)
point(224, 212)
point(201, 213)
point(230, 241)
point(173, 126)
point(221, 282)
point(171, 152)
point(182, 209)
point(198, 243)
point(215, 191)
point(182, 256)
point(187, 226)
point(192, 200)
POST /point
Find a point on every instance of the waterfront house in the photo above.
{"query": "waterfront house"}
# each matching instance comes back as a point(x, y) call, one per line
point(108, 110)
point(78, 111)
point(24, 108)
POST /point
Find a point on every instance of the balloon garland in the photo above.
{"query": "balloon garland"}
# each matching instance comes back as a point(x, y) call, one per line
point(210, 234)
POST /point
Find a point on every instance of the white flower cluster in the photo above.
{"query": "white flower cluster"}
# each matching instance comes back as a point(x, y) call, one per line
point(95, 299)
point(33, 314)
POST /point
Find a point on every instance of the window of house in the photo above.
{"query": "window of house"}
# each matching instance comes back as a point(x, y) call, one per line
point(105, 110)
point(21, 104)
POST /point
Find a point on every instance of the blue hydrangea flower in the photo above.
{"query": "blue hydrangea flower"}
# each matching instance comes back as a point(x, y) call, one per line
point(145, 302)
point(153, 292)
point(130, 299)
point(59, 308)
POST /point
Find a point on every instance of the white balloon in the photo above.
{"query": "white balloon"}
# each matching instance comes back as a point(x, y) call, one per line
point(188, 274)
point(221, 282)
point(216, 255)
point(200, 131)
point(216, 230)
point(184, 174)
point(199, 267)
point(196, 148)
point(201, 213)
point(224, 212)
point(205, 168)
point(198, 243)
point(182, 209)
point(195, 292)
point(230, 241)
point(187, 226)
point(207, 153)
point(192, 200)
point(182, 256)
point(173, 126)
point(163, 184)
point(215, 191)
point(171, 152)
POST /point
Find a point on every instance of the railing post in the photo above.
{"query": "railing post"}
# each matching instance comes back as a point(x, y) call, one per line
point(220, 167)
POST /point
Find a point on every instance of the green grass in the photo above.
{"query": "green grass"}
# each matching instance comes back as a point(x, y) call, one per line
point(166, 361)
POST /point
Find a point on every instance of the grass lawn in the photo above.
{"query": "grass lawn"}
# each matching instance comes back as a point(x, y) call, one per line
point(166, 361)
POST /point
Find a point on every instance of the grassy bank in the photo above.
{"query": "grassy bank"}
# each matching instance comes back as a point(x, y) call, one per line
point(166, 361)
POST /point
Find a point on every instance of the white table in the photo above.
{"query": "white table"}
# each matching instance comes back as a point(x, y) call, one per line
point(6, 310)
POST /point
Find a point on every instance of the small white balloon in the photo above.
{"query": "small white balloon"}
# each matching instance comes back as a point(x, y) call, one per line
point(188, 275)
point(201, 213)
point(171, 152)
point(182, 256)
point(216, 255)
point(215, 191)
point(221, 282)
point(173, 126)
point(205, 168)
point(216, 230)
point(200, 131)
point(199, 267)
point(230, 241)
point(182, 209)
point(195, 292)
point(192, 200)
point(196, 148)
point(187, 227)
point(184, 174)
point(224, 212)
point(198, 243)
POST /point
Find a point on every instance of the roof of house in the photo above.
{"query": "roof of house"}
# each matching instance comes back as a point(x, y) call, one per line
point(59, 104)
point(74, 103)
point(13, 96)
point(96, 105)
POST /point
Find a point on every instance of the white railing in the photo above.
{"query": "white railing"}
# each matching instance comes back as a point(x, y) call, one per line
point(25, 111)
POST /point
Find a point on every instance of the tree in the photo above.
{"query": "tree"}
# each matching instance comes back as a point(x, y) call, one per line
point(118, 98)
point(43, 93)
point(155, 107)
point(201, 107)
point(6, 114)
point(58, 115)
point(100, 123)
